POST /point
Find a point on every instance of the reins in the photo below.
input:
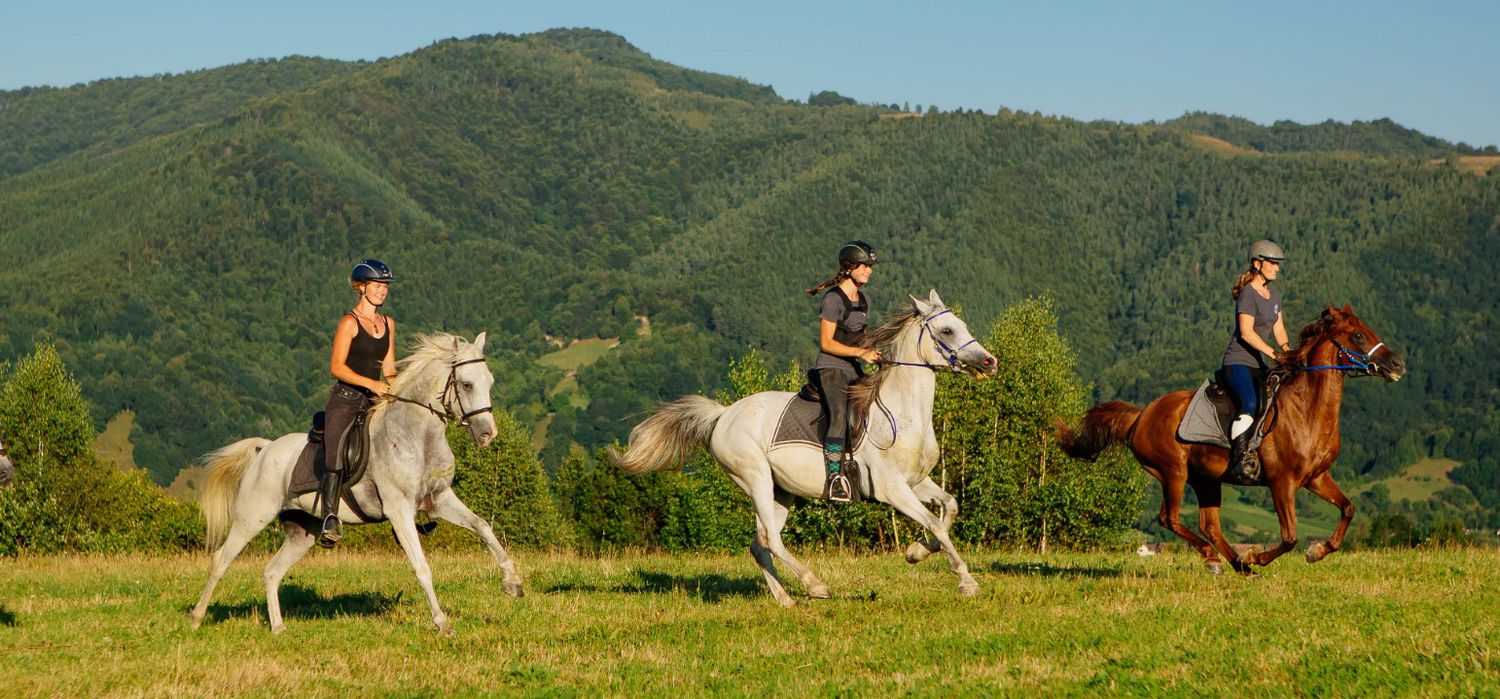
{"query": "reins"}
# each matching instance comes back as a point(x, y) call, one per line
point(451, 386)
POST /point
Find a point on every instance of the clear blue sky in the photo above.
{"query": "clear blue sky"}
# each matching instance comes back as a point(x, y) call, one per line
point(1430, 66)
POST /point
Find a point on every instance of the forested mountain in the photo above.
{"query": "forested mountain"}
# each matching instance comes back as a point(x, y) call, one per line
point(1381, 137)
point(565, 185)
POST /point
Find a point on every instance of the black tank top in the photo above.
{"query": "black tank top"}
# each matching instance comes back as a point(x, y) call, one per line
point(367, 352)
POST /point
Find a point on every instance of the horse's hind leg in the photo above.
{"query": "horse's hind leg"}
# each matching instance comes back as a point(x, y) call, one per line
point(1173, 483)
point(240, 534)
point(930, 492)
point(762, 491)
point(816, 589)
point(1324, 487)
point(298, 527)
point(1210, 499)
point(901, 497)
point(447, 506)
point(404, 524)
point(1283, 496)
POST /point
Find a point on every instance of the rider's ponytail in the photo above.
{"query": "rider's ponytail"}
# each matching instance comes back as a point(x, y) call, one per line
point(1245, 278)
point(845, 267)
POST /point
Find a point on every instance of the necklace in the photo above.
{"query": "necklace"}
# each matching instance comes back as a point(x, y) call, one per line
point(369, 323)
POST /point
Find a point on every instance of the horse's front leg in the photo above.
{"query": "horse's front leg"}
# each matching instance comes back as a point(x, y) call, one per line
point(403, 515)
point(1283, 495)
point(1324, 487)
point(445, 504)
point(930, 492)
point(901, 497)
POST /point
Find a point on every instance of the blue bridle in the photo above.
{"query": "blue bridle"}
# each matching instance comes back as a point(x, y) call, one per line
point(947, 353)
point(1357, 361)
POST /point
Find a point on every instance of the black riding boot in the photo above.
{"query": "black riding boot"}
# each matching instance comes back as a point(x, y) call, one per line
point(1244, 467)
point(329, 491)
point(838, 483)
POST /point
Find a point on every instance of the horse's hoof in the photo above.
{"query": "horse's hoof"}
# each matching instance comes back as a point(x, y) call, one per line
point(1251, 556)
point(278, 629)
point(819, 591)
point(1214, 567)
point(917, 552)
point(445, 629)
point(786, 602)
point(513, 589)
point(1318, 551)
point(195, 621)
point(968, 588)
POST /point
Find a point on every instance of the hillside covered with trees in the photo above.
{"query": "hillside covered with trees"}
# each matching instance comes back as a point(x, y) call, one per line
point(182, 241)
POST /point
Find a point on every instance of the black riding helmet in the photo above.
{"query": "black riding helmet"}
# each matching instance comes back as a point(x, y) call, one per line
point(371, 270)
point(857, 252)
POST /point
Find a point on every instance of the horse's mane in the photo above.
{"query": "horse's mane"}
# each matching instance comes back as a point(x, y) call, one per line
point(862, 392)
point(1309, 337)
point(426, 349)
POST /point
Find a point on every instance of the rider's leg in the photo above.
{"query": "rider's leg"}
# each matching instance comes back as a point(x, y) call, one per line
point(344, 403)
point(1246, 396)
point(833, 388)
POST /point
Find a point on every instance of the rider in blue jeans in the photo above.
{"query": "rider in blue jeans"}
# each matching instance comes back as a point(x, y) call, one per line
point(1257, 312)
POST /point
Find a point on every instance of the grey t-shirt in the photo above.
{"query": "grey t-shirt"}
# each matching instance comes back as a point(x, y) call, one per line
point(1265, 311)
point(851, 319)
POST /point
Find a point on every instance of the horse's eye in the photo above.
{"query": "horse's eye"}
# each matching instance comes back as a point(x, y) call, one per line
point(1358, 337)
point(948, 332)
point(468, 385)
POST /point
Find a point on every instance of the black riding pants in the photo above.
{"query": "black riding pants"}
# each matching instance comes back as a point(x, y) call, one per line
point(344, 403)
point(833, 392)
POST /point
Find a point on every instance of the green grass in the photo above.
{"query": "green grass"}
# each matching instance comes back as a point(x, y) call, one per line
point(1255, 521)
point(1418, 481)
point(578, 355)
point(1358, 624)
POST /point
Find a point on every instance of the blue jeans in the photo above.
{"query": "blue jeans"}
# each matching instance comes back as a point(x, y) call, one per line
point(1243, 388)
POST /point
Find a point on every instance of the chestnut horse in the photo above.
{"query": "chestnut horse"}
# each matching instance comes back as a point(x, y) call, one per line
point(1301, 442)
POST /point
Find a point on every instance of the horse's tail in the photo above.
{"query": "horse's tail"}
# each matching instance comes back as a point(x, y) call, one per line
point(670, 437)
point(226, 468)
point(1103, 425)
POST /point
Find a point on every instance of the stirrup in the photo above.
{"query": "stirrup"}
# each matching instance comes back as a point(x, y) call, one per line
point(332, 532)
point(838, 488)
point(1244, 471)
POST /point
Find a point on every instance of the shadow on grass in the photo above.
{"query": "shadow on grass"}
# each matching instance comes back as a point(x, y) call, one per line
point(6, 617)
point(299, 602)
point(1053, 571)
point(711, 587)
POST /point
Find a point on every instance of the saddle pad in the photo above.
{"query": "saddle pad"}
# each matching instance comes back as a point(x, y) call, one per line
point(1208, 417)
point(801, 422)
point(309, 469)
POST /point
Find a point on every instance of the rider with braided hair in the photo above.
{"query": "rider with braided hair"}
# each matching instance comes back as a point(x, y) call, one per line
point(1257, 312)
point(842, 321)
point(364, 362)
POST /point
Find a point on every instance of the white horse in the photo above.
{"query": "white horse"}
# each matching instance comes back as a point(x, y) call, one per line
point(897, 454)
point(7, 469)
point(410, 470)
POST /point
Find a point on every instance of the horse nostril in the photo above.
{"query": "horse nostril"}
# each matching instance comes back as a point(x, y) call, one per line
point(989, 360)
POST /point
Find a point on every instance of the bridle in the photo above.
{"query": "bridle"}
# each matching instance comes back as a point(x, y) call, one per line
point(1351, 361)
point(949, 354)
point(450, 387)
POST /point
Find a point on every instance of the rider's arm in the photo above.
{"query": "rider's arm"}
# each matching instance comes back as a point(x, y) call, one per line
point(338, 364)
point(1247, 333)
point(388, 365)
point(1280, 332)
point(839, 349)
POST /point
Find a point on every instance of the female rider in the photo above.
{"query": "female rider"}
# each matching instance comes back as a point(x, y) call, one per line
point(1257, 312)
point(364, 362)
point(843, 319)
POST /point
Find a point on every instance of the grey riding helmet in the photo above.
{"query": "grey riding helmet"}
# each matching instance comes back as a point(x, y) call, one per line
point(857, 252)
point(1266, 250)
point(371, 270)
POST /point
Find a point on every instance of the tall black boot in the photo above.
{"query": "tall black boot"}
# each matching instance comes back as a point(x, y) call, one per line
point(329, 491)
point(1244, 467)
point(838, 483)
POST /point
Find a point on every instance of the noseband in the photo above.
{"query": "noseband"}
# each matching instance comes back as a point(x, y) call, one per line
point(448, 413)
point(947, 353)
point(1351, 361)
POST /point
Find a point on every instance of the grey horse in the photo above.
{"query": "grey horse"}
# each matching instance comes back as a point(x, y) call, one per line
point(410, 470)
point(7, 469)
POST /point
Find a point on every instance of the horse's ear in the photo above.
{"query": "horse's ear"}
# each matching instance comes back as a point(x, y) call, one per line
point(479, 343)
point(933, 299)
point(1348, 310)
point(455, 342)
point(923, 308)
point(1330, 312)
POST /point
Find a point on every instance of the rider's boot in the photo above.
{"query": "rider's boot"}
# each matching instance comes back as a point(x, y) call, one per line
point(838, 484)
point(1244, 467)
point(329, 495)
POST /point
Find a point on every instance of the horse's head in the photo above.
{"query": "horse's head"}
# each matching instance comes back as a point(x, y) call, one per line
point(951, 343)
point(7, 469)
point(1357, 345)
point(468, 392)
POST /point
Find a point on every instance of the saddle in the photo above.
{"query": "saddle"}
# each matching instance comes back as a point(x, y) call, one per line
point(309, 469)
point(802, 421)
point(1211, 411)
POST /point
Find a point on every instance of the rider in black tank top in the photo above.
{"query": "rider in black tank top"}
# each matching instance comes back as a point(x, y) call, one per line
point(364, 365)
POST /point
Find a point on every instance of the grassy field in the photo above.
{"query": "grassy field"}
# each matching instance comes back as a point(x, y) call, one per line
point(1358, 624)
point(578, 355)
point(1419, 481)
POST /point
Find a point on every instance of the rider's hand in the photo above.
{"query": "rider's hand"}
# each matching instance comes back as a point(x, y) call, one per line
point(381, 388)
point(870, 356)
